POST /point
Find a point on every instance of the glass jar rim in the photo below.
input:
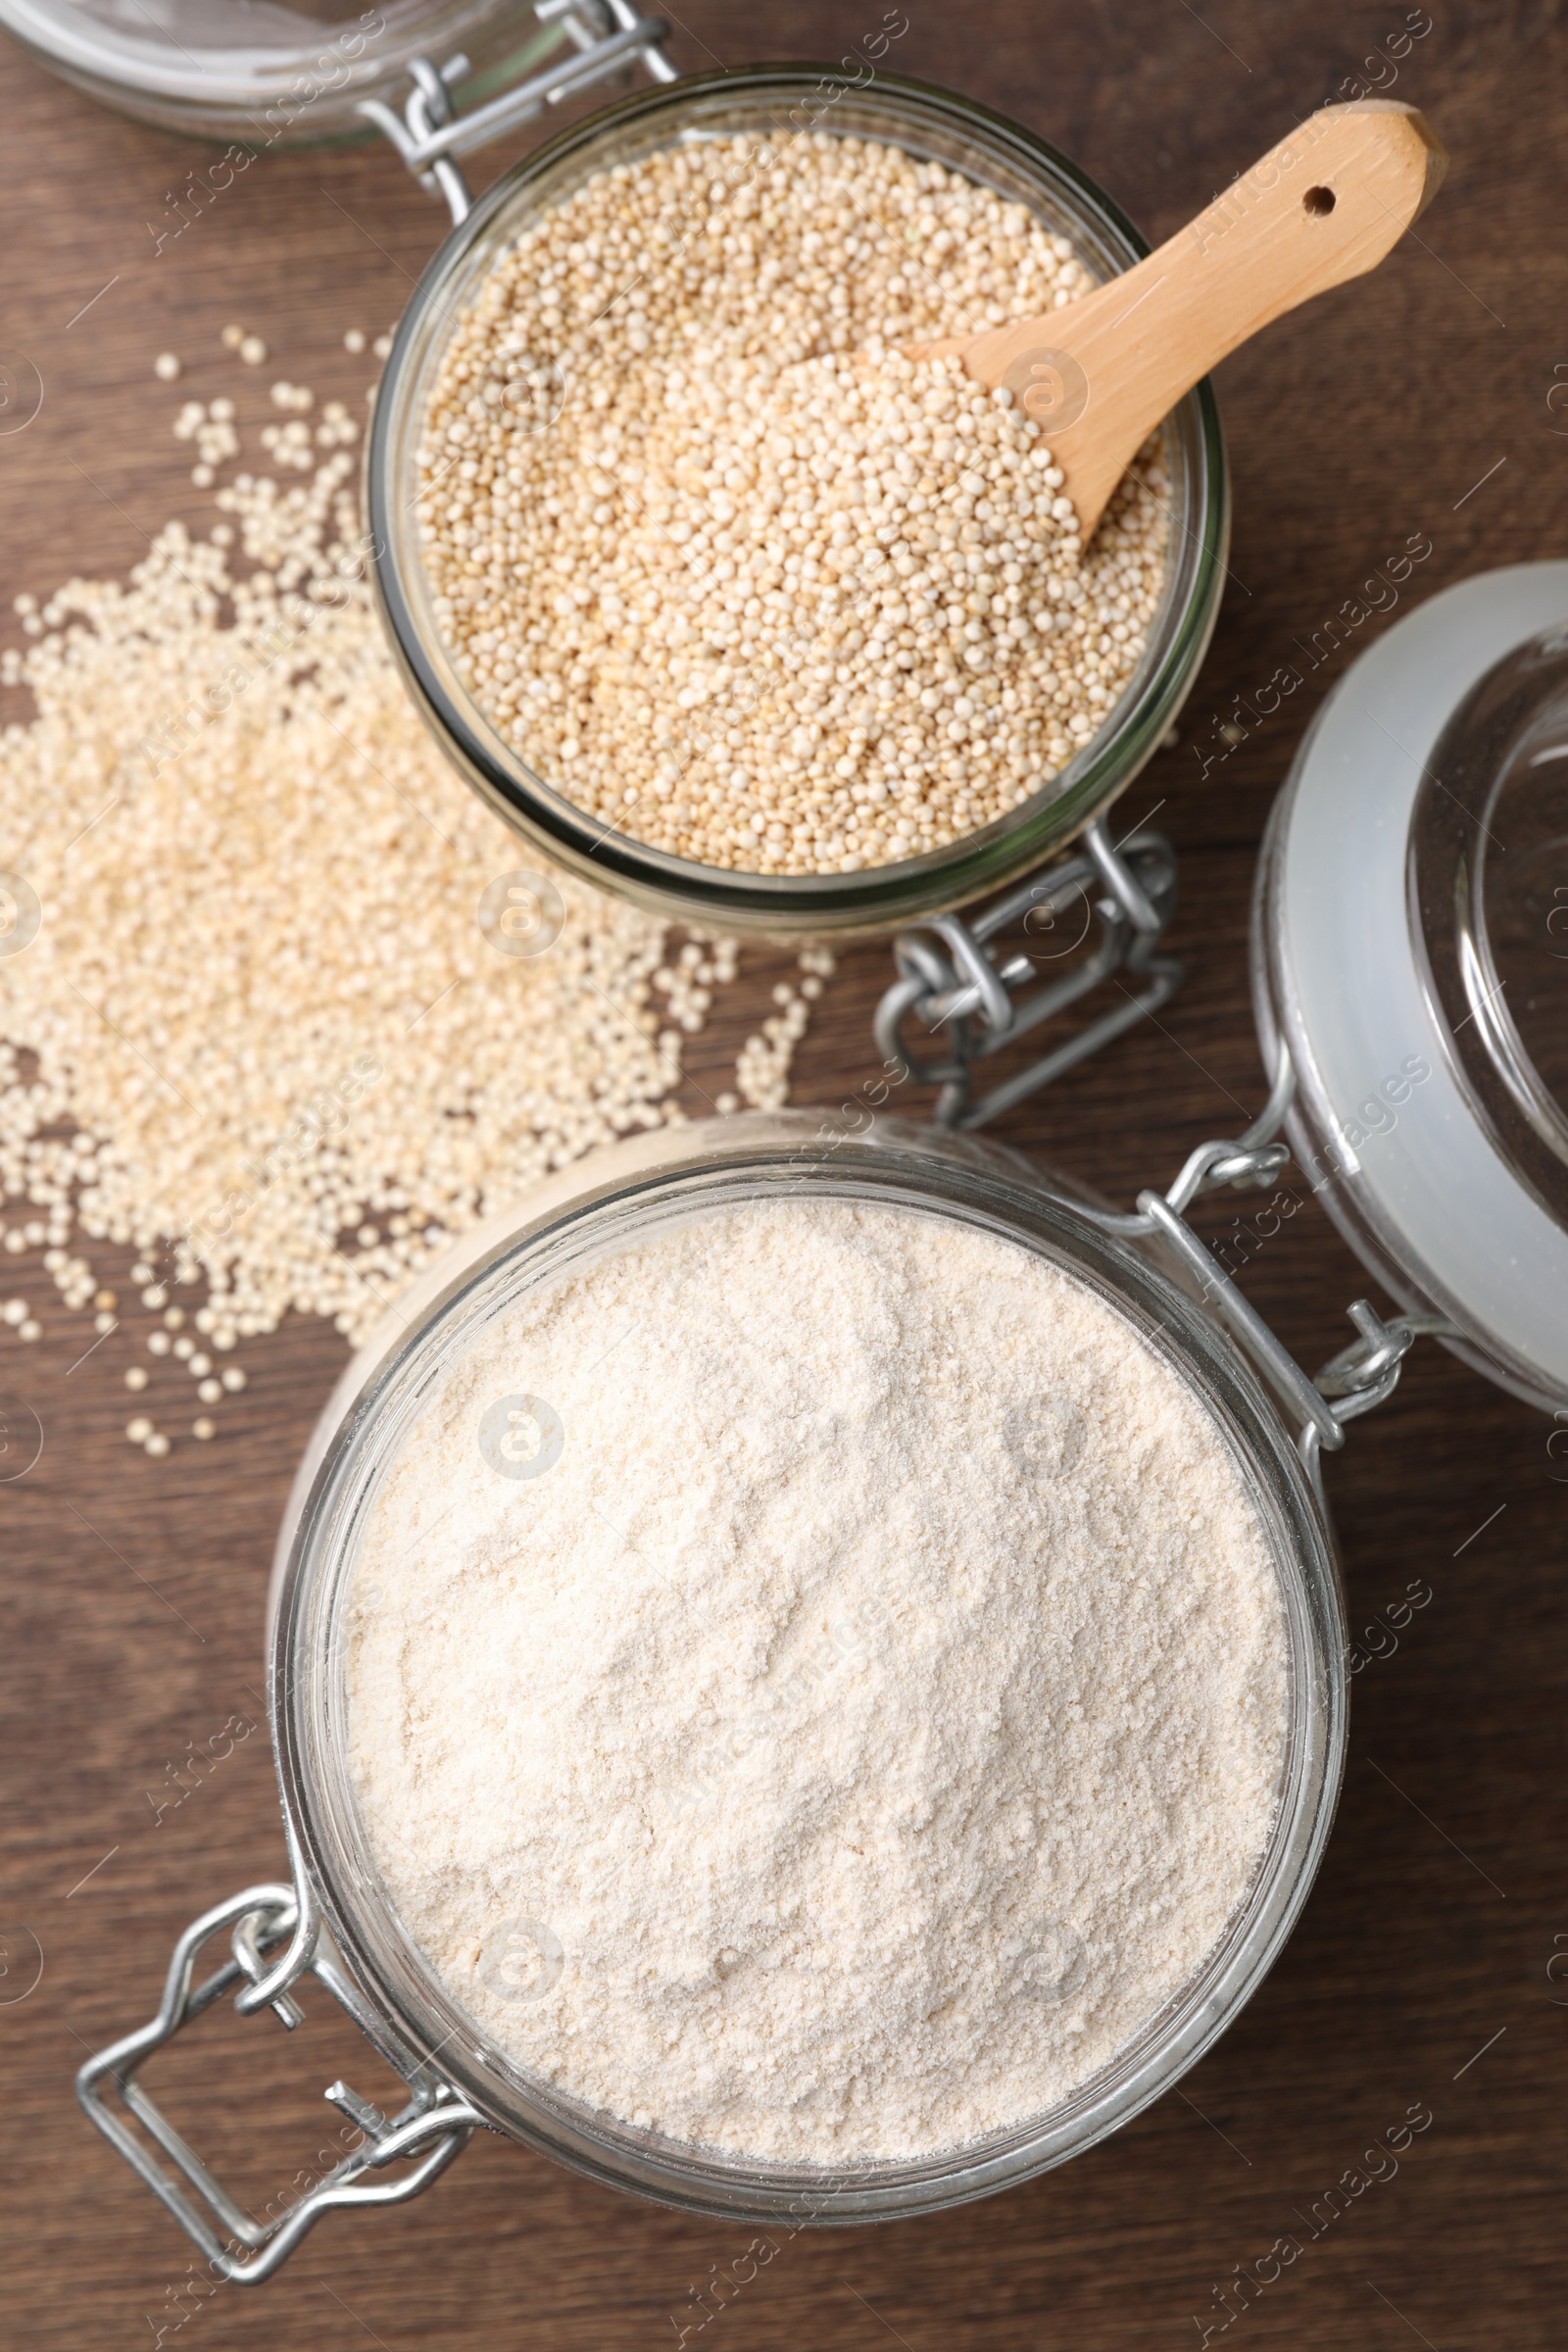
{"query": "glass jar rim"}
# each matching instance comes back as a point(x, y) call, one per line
point(875, 899)
point(716, 1165)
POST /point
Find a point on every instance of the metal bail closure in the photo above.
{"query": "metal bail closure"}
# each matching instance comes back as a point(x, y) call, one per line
point(1361, 1376)
point(269, 1926)
point(958, 978)
point(602, 37)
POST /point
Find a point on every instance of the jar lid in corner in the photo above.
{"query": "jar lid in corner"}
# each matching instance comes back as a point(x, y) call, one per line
point(1411, 949)
point(270, 72)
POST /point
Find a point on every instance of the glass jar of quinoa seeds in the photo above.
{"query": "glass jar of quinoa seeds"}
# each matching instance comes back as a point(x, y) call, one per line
point(772, 698)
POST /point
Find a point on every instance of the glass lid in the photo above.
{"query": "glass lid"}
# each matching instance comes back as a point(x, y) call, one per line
point(1411, 949)
point(269, 70)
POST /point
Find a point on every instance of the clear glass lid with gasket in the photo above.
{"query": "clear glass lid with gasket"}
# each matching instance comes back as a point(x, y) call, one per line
point(1411, 954)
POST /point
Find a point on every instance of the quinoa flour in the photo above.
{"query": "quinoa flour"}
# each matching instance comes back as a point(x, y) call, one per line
point(869, 1717)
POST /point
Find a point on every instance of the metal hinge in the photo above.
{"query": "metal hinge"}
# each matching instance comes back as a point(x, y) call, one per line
point(272, 1936)
point(1362, 1375)
point(980, 990)
point(600, 37)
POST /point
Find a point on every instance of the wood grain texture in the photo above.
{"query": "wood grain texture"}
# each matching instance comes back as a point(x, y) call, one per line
point(1414, 403)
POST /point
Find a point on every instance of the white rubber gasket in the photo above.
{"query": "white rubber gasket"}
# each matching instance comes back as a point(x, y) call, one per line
point(1347, 988)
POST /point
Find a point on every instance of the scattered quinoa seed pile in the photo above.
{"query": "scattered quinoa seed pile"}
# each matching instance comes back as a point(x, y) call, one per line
point(250, 1021)
point(720, 564)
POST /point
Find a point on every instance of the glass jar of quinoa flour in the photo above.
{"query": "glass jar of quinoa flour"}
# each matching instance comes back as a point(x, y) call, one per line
point(807, 1677)
point(738, 1633)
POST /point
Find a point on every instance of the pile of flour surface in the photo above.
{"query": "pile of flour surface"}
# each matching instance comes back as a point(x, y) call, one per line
point(869, 1718)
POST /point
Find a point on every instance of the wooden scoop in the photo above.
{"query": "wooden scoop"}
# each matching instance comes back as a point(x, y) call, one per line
point(1097, 376)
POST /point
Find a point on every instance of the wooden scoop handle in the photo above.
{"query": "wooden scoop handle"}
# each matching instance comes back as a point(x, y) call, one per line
point(1323, 205)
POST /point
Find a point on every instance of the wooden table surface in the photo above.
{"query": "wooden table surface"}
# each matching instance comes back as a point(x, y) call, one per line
point(1421, 1975)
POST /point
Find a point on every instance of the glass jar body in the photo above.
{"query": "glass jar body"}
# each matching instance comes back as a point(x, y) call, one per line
point(932, 125)
point(625, 1193)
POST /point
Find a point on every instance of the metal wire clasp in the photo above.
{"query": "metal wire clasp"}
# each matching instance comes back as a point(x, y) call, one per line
point(1367, 1372)
point(957, 977)
point(264, 1924)
point(601, 36)
point(1362, 1375)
